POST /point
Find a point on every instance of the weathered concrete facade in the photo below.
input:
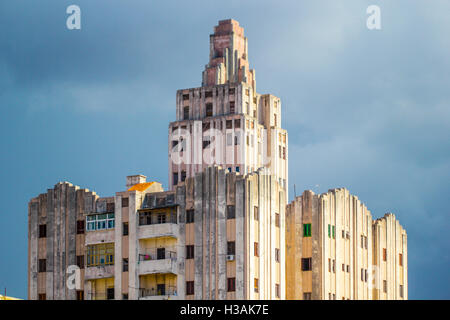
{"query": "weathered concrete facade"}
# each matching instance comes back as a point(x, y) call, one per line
point(337, 245)
point(196, 242)
point(53, 240)
point(226, 122)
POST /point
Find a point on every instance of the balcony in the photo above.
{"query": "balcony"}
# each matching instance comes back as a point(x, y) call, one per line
point(161, 292)
point(158, 230)
point(158, 261)
point(99, 272)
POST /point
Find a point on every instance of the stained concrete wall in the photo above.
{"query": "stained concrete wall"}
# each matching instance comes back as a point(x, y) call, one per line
point(344, 265)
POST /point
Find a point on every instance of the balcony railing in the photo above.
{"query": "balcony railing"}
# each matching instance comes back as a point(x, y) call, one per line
point(147, 255)
point(157, 292)
point(149, 218)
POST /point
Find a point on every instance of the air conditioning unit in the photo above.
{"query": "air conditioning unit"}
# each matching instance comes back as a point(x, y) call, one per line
point(230, 257)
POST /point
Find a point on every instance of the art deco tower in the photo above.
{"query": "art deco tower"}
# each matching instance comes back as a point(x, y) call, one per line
point(226, 122)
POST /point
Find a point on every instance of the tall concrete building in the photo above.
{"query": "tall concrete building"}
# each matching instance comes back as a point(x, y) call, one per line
point(226, 122)
point(218, 235)
point(335, 250)
point(223, 229)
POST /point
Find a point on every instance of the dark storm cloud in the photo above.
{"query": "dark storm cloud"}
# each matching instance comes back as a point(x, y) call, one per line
point(366, 110)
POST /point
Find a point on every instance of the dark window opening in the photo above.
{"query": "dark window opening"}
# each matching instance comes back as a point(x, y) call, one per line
point(306, 264)
point(42, 231)
point(190, 252)
point(231, 212)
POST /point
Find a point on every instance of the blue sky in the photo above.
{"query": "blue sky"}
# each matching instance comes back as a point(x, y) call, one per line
point(366, 110)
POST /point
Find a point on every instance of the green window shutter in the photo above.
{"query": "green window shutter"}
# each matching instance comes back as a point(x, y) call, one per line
point(307, 230)
point(329, 231)
point(334, 235)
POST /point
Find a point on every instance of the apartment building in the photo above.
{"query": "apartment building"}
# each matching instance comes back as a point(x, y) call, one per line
point(223, 229)
point(336, 251)
point(218, 235)
point(225, 122)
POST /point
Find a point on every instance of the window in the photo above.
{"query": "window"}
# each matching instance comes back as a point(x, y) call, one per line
point(231, 247)
point(231, 214)
point(238, 169)
point(229, 124)
point(401, 291)
point(284, 153)
point(125, 296)
point(256, 249)
point(348, 268)
point(329, 231)
point(365, 275)
point(161, 218)
point(80, 227)
point(160, 253)
point(343, 234)
point(185, 97)
point(347, 235)
point(307, 230)
point(256, 213)
point(277, 219)
point(256, 285)
point(231, 284)
point(277, 290)
point(384, 286)
point(189, 288)
point(365, 242)
point(80, 295)
point(209, 109)
point(175, 178)
point(277, 255)
point(190, 216)
point(400, 259)
point(247, 92)
point(190, 252)
point(306, 264)
point(232, 107)
point(42, 296)
point(384, 254)
point(237, 123)
point(231, 91)
point(183, 175)
point(206, 142)
point(80, 262)
point(100, 221)
point(362, 274)
point(208, 94)
point(329, 265)
point(100, 254)
point(124, 202)
point(110, 294)
point(307, 295)
point(124, 265)
point(343, 267)
point(334, 232)
point(185, 113)
point(110, 207)
point(362, 242)
point(334, 266)
point(125, 228)
point(42, 265)
point(42, 230)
